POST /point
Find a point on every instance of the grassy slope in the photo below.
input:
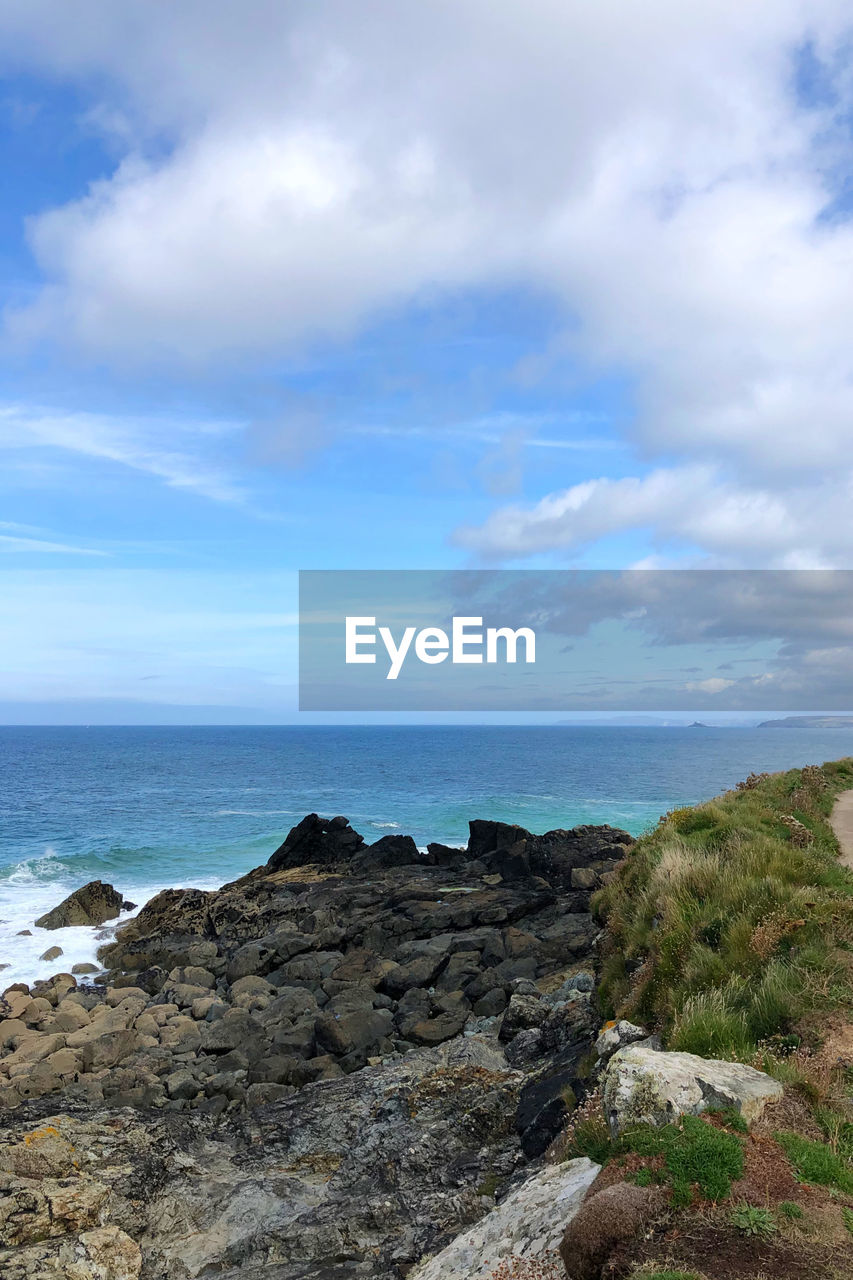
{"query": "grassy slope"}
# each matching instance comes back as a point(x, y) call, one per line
point(730, 924)
point(729, 929)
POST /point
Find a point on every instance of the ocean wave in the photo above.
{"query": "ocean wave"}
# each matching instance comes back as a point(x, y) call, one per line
point(254, 813)
point(47, 867)
point(384, 824)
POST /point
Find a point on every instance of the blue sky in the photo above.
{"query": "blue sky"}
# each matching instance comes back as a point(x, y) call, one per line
point(475, 283)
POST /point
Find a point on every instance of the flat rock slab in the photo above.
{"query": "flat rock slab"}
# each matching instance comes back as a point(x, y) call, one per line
point(648, 1086)
point(528, 1226)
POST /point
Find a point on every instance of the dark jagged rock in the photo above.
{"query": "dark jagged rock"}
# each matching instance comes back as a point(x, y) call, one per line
point(555, 856)
point(390, 851)
point(92, 904)
point(323, 841)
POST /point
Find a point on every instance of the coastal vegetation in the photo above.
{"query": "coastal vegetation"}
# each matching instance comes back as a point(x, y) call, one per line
point(730, 926)
point(729, 933)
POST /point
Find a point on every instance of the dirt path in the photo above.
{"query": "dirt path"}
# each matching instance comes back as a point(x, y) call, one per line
point(842, 824)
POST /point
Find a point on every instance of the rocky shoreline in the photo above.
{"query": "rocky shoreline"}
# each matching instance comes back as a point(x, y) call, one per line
point(324, 1069)
point(355, 1061)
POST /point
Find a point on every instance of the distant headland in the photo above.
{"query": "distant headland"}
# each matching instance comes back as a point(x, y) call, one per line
point(809, 722)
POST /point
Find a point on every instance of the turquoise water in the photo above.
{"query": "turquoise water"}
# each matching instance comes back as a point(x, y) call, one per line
point(147, 808)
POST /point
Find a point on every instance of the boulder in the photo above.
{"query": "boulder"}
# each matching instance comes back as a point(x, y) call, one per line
point(647, 1086)
point(515, 854)
point(324, 841)
point(523, 1013)
point(522, 1231)
point(435, 1030)
point(52, 953)
point(92, 904)
point(108, 1049)
point(617, 1035)
point(389, 851)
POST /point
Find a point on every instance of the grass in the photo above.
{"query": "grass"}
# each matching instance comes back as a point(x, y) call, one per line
point(694, 1153)
point(817, 1162)
point(666, 1275)
point(729, 920)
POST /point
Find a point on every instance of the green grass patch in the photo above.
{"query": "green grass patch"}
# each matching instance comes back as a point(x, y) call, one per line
point(816, 1162)
point(694, 1153)
point(666, 1275)
point(790, 1210)
point(731, 919)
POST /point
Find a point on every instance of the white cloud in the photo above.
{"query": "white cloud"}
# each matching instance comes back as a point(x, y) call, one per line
point(293, 171)
point(10, 543)
point(166, 449)
point(716, 684)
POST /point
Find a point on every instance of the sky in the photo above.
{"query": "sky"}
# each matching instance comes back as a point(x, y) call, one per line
point(465, 284)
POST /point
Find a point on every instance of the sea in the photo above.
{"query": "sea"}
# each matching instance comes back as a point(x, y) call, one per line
point(148, 808)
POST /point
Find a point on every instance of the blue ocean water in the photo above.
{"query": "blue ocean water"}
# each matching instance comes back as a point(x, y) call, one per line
point(149, 808)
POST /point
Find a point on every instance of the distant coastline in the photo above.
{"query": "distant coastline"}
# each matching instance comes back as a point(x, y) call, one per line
point(809, 722)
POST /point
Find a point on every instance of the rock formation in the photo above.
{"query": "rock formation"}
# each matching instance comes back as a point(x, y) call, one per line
point(94, 903)
point(332, 1065)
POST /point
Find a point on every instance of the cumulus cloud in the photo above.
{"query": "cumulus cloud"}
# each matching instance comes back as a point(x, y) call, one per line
point(795, 526)
point(291, 172)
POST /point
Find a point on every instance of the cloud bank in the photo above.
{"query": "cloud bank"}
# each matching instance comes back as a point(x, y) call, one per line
point(672, 175)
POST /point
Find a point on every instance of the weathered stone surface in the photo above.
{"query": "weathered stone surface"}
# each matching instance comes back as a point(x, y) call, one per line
point(94, 903)
point(647, 1086)
point(52, 953)
point(296, 1193)
point(616, 1035)
point(527, 1226)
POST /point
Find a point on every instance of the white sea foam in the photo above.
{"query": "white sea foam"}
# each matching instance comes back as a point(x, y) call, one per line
point(27, 893)
point(384, 824)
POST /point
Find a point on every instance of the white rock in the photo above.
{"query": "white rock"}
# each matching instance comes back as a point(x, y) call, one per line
point(616, 1035)
point(529, 1224)
point(647, 1086)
